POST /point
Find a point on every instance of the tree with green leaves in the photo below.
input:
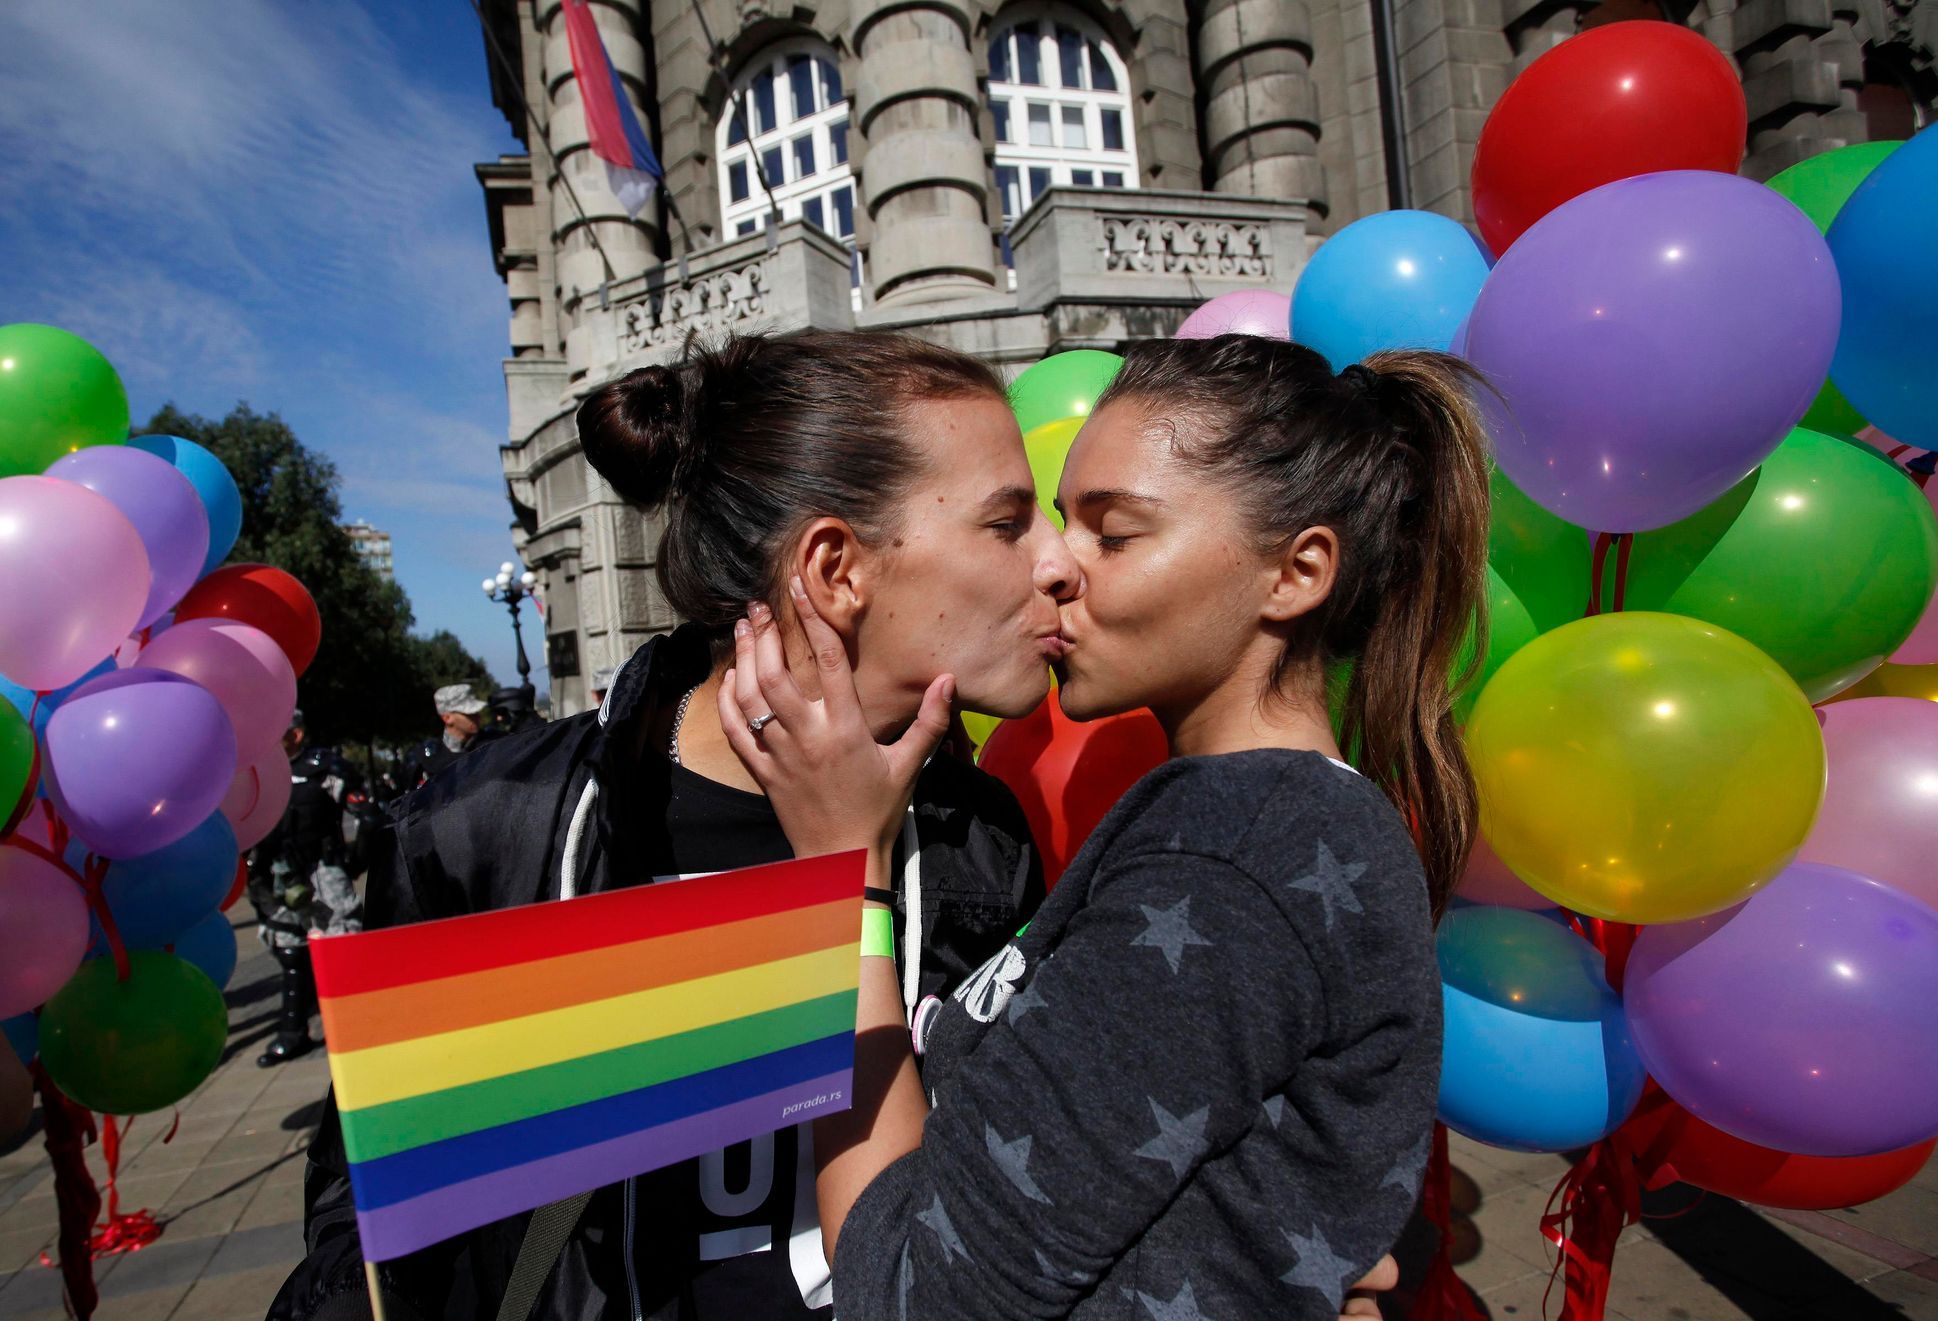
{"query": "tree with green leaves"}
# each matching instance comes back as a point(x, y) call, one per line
point(372, 679)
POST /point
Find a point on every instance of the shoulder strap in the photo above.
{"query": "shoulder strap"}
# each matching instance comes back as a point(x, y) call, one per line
point(545, 1236)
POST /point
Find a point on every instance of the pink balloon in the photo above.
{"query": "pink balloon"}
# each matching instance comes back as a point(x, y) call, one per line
point(242, 666)
point(1246, 312)
point(77, 579)
point(43, 930)
point(258, 797)
point(1488, 881)
point(1880, 812)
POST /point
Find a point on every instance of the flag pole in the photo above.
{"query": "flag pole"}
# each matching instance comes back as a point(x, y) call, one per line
point(376, 1294)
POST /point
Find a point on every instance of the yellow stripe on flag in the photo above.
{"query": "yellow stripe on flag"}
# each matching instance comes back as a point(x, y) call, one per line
point(379, 1074)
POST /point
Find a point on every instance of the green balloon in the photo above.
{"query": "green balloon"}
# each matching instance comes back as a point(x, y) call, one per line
point(1062, 385)
point(1820, 186)
point(57, 395)
point(1824, 557)
point(1541, 558)
point(1509, 628)
point(125, 1048)
point(17, 769)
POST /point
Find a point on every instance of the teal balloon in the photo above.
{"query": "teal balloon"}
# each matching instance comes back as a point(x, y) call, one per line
point(129, 1047)
point(1825, 558)
point(1885, 242)
point(1393, 280)
point(1537, 1053)
point(211, 946)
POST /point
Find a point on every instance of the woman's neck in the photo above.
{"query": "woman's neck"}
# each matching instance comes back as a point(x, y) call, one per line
point(1247, 712)
point(703, 745)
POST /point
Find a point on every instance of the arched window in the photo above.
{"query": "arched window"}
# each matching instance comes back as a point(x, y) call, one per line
point(787, 121)
point(1060, 97)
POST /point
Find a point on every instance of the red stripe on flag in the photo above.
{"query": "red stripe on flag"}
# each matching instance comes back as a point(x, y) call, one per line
point(594, 74)
point(455, 946)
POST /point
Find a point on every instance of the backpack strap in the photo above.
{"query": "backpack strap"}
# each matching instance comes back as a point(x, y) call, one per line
point(545, 1236)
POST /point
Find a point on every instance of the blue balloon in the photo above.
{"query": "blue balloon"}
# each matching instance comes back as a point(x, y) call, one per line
point(1885, 241)
point(212, 483)
point(158, 896)
point(211, 946)
point(1396, 280)
point(23, 698)
point(23, 1034)
point(1537, 1055)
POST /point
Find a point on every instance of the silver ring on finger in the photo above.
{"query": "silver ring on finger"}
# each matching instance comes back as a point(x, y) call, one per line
point(759, 723)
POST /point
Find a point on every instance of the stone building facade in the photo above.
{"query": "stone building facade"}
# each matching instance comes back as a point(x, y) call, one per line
point(1015, 179)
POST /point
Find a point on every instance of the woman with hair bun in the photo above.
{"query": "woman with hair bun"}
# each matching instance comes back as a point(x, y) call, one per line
point(887, 474)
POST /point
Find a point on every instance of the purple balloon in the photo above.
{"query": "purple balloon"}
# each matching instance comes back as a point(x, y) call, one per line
point(1246, 312)
point(136, 759)
point(1653, 341)
point(163, 506)
point(1800, 1019)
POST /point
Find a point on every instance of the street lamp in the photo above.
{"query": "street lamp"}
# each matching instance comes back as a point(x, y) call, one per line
point(512, 587)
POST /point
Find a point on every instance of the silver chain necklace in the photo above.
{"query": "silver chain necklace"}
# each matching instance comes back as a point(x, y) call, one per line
point(679, 718)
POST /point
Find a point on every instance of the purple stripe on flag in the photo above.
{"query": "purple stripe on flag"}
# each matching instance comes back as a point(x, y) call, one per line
point(404, 1227)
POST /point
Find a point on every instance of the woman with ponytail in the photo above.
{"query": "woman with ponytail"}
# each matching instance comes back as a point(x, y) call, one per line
point(1201, 1082)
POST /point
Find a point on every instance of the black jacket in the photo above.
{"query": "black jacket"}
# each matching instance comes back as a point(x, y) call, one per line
point(567, 808)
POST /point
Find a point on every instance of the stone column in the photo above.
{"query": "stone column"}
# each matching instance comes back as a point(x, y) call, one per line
point(1261, 124)
point(1788, 51)
point(628, 244)
point(922, 165)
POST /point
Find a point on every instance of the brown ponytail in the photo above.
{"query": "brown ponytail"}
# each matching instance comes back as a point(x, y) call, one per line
point(1392, 456)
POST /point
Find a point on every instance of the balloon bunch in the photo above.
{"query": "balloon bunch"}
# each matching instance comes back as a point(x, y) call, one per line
point(1669, 902)
point(147, 692)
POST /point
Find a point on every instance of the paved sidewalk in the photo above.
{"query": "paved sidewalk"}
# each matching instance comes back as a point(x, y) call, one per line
point(228, 1189)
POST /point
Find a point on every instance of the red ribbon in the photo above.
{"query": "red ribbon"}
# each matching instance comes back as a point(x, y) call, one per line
point(69, 1127)
point(1442, 1296)
point(1599, 1197)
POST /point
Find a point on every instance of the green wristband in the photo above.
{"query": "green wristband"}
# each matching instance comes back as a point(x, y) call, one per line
point(877, 932)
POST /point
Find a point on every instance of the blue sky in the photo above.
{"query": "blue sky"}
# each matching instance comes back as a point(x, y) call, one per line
point(273, 201)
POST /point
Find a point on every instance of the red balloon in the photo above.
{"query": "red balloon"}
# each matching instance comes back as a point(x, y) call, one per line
point(1616, 101)
point(237, 886)
point(262, 597)
point(1067, 775)
point(1673, 1145)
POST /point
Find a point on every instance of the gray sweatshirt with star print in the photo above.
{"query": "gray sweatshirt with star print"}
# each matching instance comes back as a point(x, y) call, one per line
point(1200, 1084)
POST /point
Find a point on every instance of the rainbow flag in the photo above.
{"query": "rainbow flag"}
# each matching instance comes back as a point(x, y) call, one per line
point(488, 1064)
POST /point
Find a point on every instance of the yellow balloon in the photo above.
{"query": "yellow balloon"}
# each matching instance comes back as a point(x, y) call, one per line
point(980, 727)
point(1896, 681)
point(1047, 447)
point(1645, 767)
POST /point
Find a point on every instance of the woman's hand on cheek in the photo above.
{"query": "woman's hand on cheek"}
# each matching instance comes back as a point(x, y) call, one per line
point(832, 785)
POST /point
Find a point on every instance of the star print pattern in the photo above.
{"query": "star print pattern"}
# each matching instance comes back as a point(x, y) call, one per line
point(1182, 1307)
point(1317, 1266)
point(1410, 1168)
point(1013, 1159)
point(1114, 1109)
point(1178, 1141)
point(1025, 1000)
point(1169, 930)
point(937, 1219)
point(1332, 880)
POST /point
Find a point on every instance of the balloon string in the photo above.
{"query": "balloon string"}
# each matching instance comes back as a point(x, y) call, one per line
point(1596, 562)
point(1622, 542)
point(97, 872)
point(122, 1233)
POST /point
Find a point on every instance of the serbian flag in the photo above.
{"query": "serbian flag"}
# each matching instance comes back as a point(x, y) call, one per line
point(487, 1064)
point(618, 139)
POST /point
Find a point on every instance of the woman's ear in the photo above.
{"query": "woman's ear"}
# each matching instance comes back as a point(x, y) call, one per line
point(1303, 575)
point(831, 562)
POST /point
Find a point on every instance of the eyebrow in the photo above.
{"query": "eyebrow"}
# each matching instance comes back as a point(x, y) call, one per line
point(1007, 498)
point(1117, 495)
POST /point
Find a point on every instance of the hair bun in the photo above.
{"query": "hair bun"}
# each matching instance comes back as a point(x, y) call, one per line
point(640, 434)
